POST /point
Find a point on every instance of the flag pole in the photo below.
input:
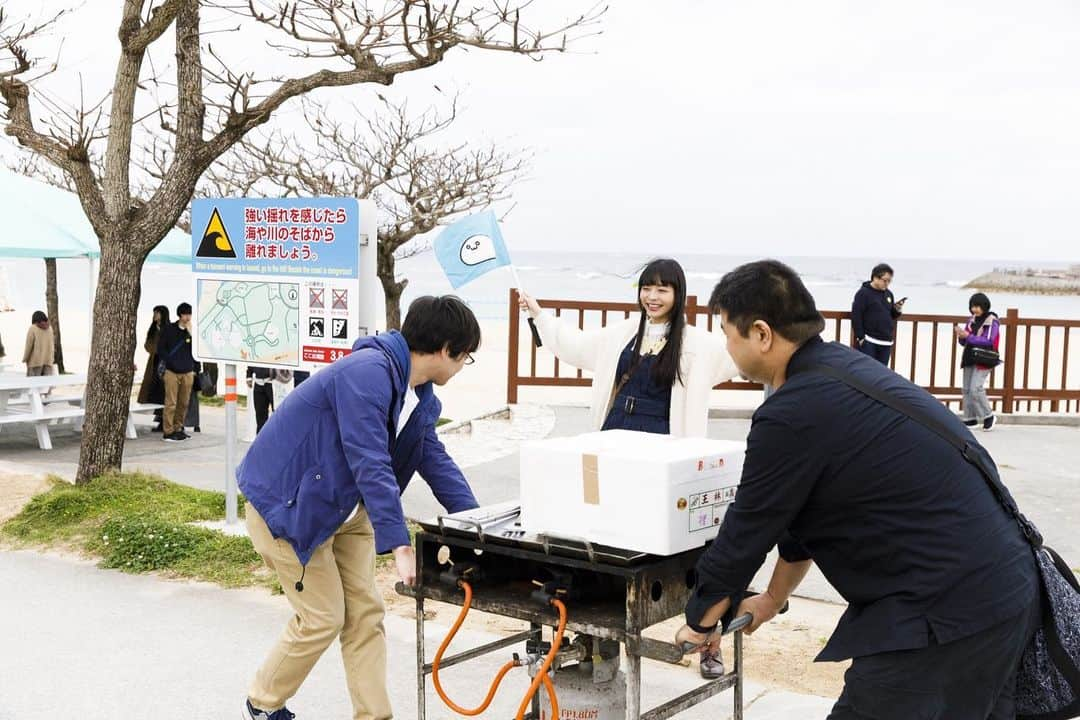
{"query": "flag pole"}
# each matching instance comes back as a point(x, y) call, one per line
point(532, 325)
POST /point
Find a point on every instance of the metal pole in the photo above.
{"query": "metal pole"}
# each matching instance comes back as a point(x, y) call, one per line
point(230, 444)
point(421, 652)
point(738, 714)
point(633, 651)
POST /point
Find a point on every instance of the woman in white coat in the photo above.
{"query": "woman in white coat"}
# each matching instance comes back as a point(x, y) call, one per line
point(664, 354)
point(652, 373)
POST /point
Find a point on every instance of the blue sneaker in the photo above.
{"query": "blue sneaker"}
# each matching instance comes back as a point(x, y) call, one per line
point(253, 713)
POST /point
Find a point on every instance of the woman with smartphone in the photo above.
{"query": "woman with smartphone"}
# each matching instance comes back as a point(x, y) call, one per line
point(980, 337)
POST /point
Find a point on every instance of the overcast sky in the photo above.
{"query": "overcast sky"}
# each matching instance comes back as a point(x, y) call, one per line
point(832, 127)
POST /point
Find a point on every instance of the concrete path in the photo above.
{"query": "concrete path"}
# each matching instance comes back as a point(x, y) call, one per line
point(90, 643)
point(93, 644)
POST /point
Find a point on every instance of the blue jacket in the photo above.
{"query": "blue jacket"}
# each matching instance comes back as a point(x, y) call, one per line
point(333, 443)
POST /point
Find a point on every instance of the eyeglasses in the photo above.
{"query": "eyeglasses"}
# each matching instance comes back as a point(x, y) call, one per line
point(469, 359)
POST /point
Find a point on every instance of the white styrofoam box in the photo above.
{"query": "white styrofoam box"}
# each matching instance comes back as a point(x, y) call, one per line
point(638, 491)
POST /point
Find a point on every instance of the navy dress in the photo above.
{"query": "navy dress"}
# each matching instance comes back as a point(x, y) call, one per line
point(641, 404)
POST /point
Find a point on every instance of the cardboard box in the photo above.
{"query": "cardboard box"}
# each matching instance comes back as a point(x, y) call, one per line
point(639, 491)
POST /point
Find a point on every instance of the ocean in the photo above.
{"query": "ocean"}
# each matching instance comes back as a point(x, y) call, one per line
point(931, 286)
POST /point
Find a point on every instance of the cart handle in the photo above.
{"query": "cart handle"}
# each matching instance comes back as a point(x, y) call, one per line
point(736, 625)
point(478, 524)
point(546, 538)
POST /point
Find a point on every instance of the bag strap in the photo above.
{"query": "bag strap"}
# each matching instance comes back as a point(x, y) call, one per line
point(969, 451)
point(175, 348)
point(635, 363)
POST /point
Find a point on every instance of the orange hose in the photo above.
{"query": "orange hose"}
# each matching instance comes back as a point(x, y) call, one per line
point(438, 659)
point(541, 676)
point(551, 697)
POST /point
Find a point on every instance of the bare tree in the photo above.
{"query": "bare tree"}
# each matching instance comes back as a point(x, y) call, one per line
point(210, 106)
point(392, 157)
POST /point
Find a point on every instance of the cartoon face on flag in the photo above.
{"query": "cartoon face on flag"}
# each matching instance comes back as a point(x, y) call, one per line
point(471, 247)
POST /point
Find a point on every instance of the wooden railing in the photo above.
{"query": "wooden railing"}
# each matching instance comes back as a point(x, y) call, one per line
point(1038, 374)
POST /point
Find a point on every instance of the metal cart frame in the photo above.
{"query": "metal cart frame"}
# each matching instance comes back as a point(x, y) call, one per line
point(643, 594)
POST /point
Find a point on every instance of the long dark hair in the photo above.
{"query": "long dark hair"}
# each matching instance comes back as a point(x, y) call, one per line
point(163, 312)
point(666, 272)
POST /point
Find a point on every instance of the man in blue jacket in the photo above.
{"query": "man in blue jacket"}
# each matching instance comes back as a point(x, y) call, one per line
point(323, 482)
point(941, 585)
point(874, 313)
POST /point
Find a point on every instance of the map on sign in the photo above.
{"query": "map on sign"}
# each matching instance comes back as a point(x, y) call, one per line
point(249, 322)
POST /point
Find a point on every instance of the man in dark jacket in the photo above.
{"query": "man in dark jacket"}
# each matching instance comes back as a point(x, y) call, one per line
point(942, 588)
point(874, 313)
point(174, 348)
point(324, 480)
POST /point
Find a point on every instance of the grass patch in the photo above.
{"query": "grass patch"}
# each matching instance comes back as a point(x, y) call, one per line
point(138, 522)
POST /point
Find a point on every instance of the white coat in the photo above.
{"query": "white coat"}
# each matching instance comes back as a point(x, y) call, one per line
point(705, 362)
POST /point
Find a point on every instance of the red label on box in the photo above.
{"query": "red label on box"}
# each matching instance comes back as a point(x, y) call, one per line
point(324, 354)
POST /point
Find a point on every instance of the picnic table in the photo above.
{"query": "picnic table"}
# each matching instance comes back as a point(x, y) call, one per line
point(26, 399)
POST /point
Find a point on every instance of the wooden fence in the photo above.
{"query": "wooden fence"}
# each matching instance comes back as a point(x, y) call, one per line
point(1038, 374)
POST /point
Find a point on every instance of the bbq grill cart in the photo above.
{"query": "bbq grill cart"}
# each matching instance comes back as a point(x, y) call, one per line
point(611, 596)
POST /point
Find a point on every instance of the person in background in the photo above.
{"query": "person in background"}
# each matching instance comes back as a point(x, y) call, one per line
point(210, 370)
point(174, 348)
point(323, 483)
point(152, 387)
point(300, 376)
point(261, 381)
point(191, 417)
point(653, 373)
point(874, 313)
point(981, 331)
point(39, 351)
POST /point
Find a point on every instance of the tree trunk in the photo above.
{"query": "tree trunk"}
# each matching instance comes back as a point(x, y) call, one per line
point(52, 306)
point(392, 289)
point(112, 347)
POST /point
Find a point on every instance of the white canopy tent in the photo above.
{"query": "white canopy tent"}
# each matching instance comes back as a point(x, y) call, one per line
point(43, 221)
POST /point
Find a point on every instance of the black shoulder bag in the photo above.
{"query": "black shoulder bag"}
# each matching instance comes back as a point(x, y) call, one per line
point(1048, 681)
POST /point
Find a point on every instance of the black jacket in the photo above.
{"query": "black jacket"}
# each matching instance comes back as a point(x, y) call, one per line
point(873, 313)
point(174, 347)
point(897, 520)
point(259, 372)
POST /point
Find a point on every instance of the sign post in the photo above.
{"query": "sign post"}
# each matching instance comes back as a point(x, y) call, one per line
point(230, 443)
point(279, 283)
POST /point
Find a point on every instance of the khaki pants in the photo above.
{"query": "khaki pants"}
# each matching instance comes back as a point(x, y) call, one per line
point(339, 599)
point(177, 396)
point(39, 370)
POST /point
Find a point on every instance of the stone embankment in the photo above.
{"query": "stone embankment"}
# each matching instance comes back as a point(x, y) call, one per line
point(1028, 284)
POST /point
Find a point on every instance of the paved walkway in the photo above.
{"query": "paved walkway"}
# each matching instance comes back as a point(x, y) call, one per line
point(100, 644)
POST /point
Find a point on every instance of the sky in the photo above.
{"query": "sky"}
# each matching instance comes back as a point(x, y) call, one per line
point(836, 127)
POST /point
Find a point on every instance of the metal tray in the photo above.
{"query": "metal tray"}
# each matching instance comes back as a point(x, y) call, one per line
point(500, 524)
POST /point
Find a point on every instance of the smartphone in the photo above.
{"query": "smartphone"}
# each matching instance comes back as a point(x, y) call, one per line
point(902, 300)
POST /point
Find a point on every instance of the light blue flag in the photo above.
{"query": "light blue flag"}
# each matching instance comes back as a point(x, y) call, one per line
point(471, 247)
